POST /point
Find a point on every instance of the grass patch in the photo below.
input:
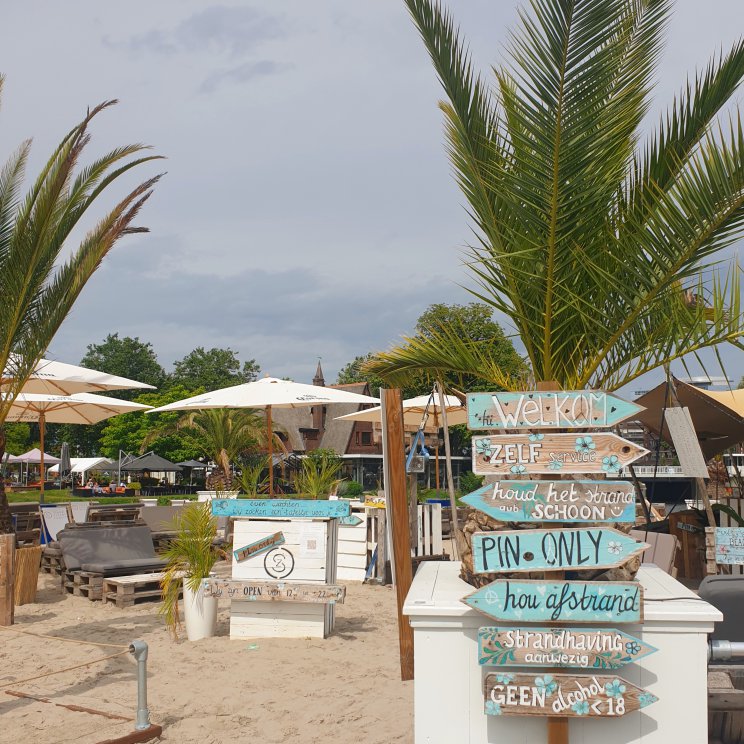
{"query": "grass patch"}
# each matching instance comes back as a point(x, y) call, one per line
point(64, 495)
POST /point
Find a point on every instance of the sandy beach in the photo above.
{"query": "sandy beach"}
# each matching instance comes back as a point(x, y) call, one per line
point(346, 688)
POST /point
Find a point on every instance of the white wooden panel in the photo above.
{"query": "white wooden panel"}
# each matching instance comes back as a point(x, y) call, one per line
point(436, 529)
point(427, 532)
point(314, 630)
point(350, 574)
point(249, 608)
point(348, 560)
point(353, 534)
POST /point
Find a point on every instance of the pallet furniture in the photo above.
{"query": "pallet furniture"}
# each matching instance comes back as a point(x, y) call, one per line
point(126, 591)
point(725, 704)
point(83, 584)
point(114, 512)
point(27, 523)
point(52, 561)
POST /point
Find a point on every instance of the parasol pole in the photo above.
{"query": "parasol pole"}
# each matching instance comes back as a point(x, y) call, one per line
point(271, 451)
point(42, 426)
point(436, 449)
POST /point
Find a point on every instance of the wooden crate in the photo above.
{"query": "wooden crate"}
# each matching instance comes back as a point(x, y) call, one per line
point(52, 562)
point(125, 591)
point(83, 584)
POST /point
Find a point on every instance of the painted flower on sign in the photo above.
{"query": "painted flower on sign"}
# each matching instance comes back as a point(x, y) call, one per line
point(518, 469)
point(536, 437)
point(585, 444)
point(611, 464)
point(555, 464)
point(483, 447)
point(632, 648)
point(614, 689)
point(504, 679)
point(581, 708)
point(615, 548)
point(547, 683)
point(646, 698)
point(493, 709)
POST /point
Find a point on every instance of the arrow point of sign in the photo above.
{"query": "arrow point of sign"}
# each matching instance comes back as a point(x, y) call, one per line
point(597, 707)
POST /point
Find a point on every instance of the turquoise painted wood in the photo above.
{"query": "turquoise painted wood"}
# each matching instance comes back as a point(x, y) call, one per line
point(556, 501)
point(569, 409)
point(271, 508)
point(511, 601)
point(258, 547)
point(552, 550)
point(730, 545)
point(351, 521)
point(580, 648)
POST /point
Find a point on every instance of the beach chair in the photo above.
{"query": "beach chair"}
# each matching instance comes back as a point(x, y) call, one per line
point(92, 553)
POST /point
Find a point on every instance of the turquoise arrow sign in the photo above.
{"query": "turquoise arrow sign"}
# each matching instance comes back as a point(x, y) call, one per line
point(570, 409)
point(588, 648)
point(270, 508)
point(559, 601)
point(552, 550)
point(351, 521)
point(556, 501)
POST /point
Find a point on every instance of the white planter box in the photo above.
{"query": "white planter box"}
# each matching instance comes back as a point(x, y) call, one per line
point(448, 686)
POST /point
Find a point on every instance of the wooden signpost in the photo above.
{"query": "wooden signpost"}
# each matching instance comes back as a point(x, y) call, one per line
point(258, 547)
point(597, 648)
point(577, 409)
point(351, 521)
point(562, 695)
point(273, 508)
point(267, 591)
point(550, 550)
point(556, 501)
point(528, 454)
point(575, 601)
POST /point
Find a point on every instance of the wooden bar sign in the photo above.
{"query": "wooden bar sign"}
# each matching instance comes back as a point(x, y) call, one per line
point(556, 501)
point(274, 591)
point(596, 648)
point(528, 454)
point(570, 409)
point(559, 601)
point(273, 508)
point(258, 547)
point(552, 550)
point(575, 696)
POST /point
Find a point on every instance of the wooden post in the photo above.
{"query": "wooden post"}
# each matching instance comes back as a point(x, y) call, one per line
point(42, 475)
point(7, 578)
point(271, 450)
point(557, 726)
point(436, 450)
point(459, 544)
point(381, 566)
point(397, 509)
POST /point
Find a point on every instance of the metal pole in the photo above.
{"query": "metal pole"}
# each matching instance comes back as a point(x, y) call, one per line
point(139, 650)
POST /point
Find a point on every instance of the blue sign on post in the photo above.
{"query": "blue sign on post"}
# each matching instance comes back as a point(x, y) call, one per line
point(272, 508)
point(556, 501)
point(551, 550)
point(569, 409)
point(559, 601)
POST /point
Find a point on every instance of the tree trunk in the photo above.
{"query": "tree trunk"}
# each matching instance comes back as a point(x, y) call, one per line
point(6, 522)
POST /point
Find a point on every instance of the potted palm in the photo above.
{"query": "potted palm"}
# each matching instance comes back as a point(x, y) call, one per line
point(190, 557)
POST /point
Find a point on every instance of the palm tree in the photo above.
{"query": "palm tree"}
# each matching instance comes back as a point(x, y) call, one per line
point(604, 248)
point(221, 434)
point(37, 287)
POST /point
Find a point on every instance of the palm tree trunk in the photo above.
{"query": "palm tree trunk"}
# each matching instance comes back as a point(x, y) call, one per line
point(6, 522)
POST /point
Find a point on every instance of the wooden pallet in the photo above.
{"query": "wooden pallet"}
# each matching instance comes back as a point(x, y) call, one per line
point(52, 563)
point(83, 584)
point(125, 591)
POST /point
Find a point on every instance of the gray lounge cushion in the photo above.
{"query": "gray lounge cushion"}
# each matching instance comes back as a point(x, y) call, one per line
point(106, 545)
point(726, 593)
point(126, 567)
point(161, 518)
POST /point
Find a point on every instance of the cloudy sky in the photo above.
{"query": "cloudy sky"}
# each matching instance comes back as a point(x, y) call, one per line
point(308, 208)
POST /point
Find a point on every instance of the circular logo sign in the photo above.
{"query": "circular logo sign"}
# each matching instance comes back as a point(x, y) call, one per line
point(279, 563)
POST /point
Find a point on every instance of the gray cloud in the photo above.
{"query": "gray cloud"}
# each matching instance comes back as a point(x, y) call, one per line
point(220, 29)
point(241, 74)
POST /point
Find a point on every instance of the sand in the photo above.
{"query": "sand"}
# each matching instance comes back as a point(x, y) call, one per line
point(344, 689)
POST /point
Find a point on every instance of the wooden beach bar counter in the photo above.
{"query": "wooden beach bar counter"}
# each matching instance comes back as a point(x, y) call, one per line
point(451, 688)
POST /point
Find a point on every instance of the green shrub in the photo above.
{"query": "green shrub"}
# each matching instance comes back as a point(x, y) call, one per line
point(350, 489)
point(470, 482)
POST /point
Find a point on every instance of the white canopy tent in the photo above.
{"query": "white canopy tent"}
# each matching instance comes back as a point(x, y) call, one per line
point(82, 465)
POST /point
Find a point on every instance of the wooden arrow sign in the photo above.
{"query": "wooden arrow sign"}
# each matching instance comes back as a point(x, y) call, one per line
point(556, 501)
point(571, 409)
point(258, 547)
point(527, 454)
point(274, 591)
point(271, 508)
point(597, 648)
point(517, 602)
point(351, 521)
point(570, 695)
point(552, 550)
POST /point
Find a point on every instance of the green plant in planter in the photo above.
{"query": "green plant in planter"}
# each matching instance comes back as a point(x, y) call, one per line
point(190, 556)
point(253, 477)
point(318, 477)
